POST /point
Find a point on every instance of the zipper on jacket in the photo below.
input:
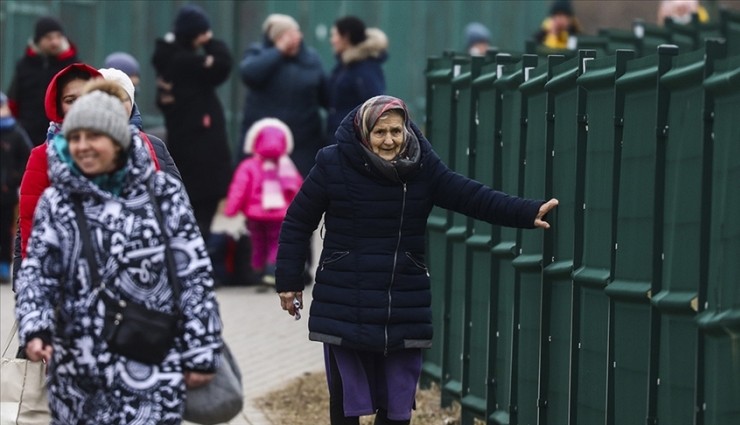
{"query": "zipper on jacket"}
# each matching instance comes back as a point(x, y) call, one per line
point(393, 272)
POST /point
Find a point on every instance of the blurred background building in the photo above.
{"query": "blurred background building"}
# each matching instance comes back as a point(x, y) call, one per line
point(416, 30)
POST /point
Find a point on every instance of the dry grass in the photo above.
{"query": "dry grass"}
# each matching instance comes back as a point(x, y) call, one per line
point(305, 401)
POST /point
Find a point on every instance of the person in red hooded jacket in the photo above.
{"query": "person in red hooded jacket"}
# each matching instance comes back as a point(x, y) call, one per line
point(63, 90)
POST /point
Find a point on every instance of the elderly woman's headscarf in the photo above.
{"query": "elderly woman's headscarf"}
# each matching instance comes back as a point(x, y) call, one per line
point(366, 118)
point(373, 109)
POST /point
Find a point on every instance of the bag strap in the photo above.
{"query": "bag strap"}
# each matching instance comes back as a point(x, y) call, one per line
point(11, 337)
point(92, 264)
point(169, 257)
point(86, 241)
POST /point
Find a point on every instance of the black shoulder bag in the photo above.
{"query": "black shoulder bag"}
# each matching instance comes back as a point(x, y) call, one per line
point(131, 329)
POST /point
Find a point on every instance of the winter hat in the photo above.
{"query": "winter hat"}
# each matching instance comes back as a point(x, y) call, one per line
point(99, 111)
point(561, 7)
point(475, 32)
point(353, 28)
point(258, 129)
point(277, 23)
point(46, 25)
point(191, 21)
point(124, 62)
point(119, 77)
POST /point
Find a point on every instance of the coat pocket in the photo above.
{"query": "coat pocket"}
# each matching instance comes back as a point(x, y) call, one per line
point(417, 262)
point(333, 258)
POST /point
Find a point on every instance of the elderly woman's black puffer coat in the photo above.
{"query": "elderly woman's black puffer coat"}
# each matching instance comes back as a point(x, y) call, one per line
point(372, 288)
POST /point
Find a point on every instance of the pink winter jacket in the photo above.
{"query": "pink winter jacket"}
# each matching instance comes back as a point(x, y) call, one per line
point(268, 142)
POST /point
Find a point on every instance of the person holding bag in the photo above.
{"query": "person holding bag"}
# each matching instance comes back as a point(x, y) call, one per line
point(114, 253)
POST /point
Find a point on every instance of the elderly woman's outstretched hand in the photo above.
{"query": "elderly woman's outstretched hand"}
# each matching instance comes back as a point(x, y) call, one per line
point(544, 209)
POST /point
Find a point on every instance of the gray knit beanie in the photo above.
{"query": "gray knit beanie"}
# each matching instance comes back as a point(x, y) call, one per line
point(101, 112)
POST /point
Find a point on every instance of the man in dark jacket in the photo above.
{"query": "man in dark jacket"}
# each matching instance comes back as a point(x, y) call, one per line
point(48, 53)
point(286, 81)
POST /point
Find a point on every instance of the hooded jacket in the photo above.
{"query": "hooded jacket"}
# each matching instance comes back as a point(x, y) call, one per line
point(36, 175)
point(87, 383)
point(357, 76)
point(32, 75)
point(372, 288)
point(246, 192)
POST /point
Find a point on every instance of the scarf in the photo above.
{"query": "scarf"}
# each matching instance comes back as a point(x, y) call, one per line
point(409, 155)
point(112, 182)
point(273, 174)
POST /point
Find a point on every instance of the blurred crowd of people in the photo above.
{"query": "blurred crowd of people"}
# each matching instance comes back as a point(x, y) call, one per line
point(76, 160)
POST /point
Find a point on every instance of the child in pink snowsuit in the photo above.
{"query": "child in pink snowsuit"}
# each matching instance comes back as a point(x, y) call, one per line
point(262, 188)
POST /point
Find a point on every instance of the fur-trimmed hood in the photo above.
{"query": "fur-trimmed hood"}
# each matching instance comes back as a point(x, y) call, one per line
point(374, 46)
point(267, 149)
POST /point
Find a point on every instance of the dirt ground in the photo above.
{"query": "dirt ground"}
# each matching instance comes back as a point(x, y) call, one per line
point(305, 401)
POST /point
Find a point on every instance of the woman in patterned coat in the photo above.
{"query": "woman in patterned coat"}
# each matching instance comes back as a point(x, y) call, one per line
point(102, 163)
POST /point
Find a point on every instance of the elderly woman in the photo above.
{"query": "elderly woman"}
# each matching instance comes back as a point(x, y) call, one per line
point(99, 242)
point(371, 302)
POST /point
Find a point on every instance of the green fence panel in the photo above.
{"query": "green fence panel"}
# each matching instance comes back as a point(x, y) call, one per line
point(684, 230)
point(637, 272)
point(651, 36)
point(598, 43)
point(594, 242)
point(503, 360)
point(730, 30)
point(439, 116)
point(454, 328)
point(478, 245)
point(720, 319)
point(564, 180)
point(692, 33)
point(620, 39)
point(529, 261)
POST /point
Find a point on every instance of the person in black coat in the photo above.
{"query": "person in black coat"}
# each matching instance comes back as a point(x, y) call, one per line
point(190, 64)
point(372, 298)
point(15, 147)
point(358, 74)
point(47, 53)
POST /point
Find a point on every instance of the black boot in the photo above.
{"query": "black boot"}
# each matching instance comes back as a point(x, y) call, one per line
point(381, 418)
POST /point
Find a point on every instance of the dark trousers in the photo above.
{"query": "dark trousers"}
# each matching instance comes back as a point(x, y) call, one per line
point(204, 211)
point(336, 402)
point(7, 230)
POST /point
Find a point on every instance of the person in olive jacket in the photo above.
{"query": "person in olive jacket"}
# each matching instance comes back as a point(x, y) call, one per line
point(372, 298)
point(190, 65)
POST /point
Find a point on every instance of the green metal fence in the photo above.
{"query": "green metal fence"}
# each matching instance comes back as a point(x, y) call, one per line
point(627, 311)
